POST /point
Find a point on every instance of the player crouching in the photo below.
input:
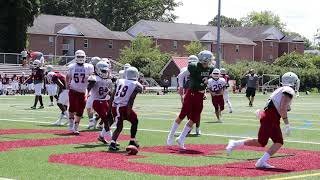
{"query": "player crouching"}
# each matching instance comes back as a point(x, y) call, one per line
point(277, 107)
point(100, 87)
point(216, 86)
point(126, 91)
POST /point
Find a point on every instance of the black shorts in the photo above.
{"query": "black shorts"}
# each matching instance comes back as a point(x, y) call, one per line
point(251, 92)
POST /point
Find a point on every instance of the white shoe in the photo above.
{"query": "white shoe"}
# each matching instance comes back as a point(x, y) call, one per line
point(219, 121)
point(181, 144)
point(57, 123)
point(76, 128)
point(92, 123)
point(70, 126)
point(170, 140)
point(230, 147)
point(198, 131)
point(230, 111)
point(263, 165)
point(99, 126)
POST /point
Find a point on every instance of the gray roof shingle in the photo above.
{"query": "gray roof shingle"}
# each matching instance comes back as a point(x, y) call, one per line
point(186, 32)
point(257, 33)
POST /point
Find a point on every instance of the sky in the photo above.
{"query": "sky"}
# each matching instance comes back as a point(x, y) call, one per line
point(301, 16)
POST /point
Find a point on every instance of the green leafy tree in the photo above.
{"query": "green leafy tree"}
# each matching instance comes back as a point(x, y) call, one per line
point(15, 17)
point(263, 18)
point(225, 22)
point(307, 42)
point(194, 48)
point(143, 55)
point(294, 60)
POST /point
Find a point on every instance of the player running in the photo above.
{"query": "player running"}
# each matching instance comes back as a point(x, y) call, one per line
point(216, 86)
point(100, 86)
point(226, 97)
point(63, 99)
point(277, 107)
point(77, 77)
point(193, 100)
point(126, 91)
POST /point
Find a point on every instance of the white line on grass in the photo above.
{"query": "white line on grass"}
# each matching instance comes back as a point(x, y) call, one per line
point(164, 131)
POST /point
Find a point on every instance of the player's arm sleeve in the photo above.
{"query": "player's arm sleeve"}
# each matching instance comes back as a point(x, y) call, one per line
point(137, 90)
point(182, 76)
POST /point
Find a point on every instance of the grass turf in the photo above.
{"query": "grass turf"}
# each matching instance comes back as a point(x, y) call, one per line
point(156, 114)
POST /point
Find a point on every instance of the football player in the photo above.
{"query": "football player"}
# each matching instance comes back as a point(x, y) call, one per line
point(51, 86)
point(15, 84)
point(77, 82)
point(100, 86)
point(23, 86)
point(63, 99)
point(226, 92)
point(183, 81)
point(126, 91)
point(38, 77)
point(5, 84)
point(277, 107)
point(193, 101)
point(216, 86)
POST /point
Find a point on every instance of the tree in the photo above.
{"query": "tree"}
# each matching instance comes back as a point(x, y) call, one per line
point(15, 17)
point(263, 18)
point(194, 48)
point(225, 22)
point(117, 15)
point(143, 55)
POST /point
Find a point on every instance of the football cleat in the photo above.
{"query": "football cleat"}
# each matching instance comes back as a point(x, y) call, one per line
point(70, 126)
point(99, 126)
point(134, 143)
point(51, 104)
point(230, 147)
point(219, 121)
point(263, 165)
point(230, 110)
point(170, 140)
point(198, 131)
point(57, 123)
point(76, 129)
point(181, 144)
point(41, 107)
point(92, 123)
point(101, 139)
point(33, 107)
point(113, 147)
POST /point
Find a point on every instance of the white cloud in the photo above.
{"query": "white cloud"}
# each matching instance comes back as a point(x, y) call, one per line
point(299, 16)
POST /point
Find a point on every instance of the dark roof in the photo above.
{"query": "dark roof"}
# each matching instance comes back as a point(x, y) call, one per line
point(122, 35)
point(289, 38)
point(53, 25)
point(257, 33)
point(186, 32)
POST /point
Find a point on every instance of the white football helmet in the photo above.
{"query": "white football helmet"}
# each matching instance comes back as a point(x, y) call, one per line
point(205, 57)
point(132, 73)
point(290, 79)
point(80, 57)
point(192, 59)
point(126, 66)
point(23, 73)
point(94, 61)
point(223, 71)
point(49, 68)
point(36, 63)
point(103, 69)
point(107, 61)
point(215, 73)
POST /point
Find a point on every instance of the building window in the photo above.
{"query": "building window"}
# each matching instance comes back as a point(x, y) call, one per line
point(237, 48)
point(271, 44)
point(110, 44)
point(175, 45)
point(271, 57)
point(51, 41)
point(86, 43)
point(296, 47)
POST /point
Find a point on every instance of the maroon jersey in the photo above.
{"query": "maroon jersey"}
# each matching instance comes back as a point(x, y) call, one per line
point(227, 78)
point(5, 80)
point(22, 79)
point(37, 75)
point(58, 76)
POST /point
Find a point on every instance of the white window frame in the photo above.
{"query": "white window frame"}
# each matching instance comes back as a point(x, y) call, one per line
point(175, 44)
point(86, 43)
point(110, 44)
point(237, 48)
point(51, 41)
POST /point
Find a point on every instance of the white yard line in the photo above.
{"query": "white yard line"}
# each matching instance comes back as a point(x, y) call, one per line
point(164, 131)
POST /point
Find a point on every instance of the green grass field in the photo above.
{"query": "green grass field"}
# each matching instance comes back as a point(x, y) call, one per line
point(156, 114)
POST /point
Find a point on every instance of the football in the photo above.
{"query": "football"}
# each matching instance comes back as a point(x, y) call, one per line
point(132, 150)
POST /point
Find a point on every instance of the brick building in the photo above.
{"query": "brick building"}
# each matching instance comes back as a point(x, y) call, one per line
point(62, 35)
point(271, 42)
point(172, 37)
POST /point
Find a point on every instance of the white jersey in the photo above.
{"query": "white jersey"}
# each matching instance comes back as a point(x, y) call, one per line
point(79, 76)
point(101, 89)
point(216, 85)
point(183, 77)
point(124, 90)
point(277, 95)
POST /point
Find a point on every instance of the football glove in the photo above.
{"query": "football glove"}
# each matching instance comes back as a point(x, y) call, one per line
point(287, 129)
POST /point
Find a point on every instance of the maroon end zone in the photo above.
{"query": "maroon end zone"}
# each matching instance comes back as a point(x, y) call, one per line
point(299, 161)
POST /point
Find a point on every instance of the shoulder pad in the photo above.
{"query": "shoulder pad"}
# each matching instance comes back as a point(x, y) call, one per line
point(289, 90)
point(92, 78)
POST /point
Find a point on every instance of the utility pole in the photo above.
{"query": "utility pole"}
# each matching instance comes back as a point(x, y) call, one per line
point(218, 58)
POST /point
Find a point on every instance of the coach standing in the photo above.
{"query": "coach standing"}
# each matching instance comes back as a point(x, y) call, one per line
point(252, 84)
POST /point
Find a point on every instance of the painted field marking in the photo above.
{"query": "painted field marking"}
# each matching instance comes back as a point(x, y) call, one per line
point(297, 177)
point(164, 131)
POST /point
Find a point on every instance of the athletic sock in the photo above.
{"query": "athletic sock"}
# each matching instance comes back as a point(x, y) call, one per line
point(40, 100)
point(173, 129)
point(265, 157)
point(239, 142)
point(103, 132)
point(184, 133)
